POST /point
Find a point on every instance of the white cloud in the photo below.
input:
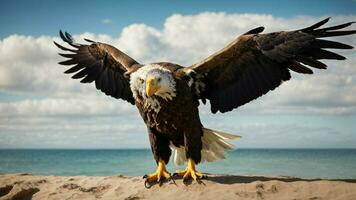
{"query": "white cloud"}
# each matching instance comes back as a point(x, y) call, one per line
point(28, 65)
point(58, 112)
point(130, 132)
point(72, 132)
point(142, 42)
point(87, 106)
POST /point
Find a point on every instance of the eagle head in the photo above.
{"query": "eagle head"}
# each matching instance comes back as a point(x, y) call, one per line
point(153, 81)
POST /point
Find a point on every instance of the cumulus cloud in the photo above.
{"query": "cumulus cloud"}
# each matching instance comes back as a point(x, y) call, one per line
point(28, 66)
point(54, 111)
point(130, 132)
point(87, 106)
point(73, 132)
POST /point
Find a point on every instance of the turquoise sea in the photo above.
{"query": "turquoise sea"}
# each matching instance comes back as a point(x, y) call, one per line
point(303, 163)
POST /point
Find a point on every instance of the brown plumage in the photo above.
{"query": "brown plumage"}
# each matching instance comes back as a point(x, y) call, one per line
point(167, 95)
point(254, 64)
point(177, 121)
point(101, 63)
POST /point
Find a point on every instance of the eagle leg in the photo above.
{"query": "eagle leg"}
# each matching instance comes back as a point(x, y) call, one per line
point(160, 174)
point(190, 172)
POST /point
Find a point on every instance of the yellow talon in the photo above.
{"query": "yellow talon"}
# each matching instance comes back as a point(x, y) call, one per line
point(190, 172)
point(160, 174)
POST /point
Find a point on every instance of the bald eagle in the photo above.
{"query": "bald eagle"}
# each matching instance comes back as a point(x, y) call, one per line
point(168, 95)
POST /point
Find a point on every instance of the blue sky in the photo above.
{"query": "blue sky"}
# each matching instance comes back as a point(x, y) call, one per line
point(40, 107)
point(39, 17)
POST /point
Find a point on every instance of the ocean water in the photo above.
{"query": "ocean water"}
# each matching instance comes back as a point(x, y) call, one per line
point(303, 163)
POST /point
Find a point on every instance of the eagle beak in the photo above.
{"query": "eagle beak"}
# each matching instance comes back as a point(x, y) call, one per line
point(151, 86)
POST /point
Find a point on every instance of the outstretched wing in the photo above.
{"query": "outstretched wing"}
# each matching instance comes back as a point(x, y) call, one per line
point(101, 63)
point(256, 63)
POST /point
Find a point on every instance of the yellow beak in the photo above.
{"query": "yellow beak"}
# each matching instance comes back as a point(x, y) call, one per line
point(151, 87)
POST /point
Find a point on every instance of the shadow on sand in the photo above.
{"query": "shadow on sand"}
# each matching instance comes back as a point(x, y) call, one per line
point(227, 179)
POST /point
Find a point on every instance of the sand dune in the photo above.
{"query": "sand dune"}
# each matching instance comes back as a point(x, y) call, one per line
point(27, 186)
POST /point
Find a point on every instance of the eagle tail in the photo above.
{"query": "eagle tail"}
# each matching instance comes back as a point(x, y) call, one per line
point(214, 147)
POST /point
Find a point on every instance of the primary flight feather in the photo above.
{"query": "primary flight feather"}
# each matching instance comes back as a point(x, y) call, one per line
point(167, 95)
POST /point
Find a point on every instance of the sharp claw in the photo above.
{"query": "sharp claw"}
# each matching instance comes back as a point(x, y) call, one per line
point(160, 176)
point(172, 180)
point(147, 184)
point(185, 181)
point(200, 182)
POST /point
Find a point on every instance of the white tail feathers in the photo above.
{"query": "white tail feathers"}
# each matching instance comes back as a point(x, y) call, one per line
point(214, 147)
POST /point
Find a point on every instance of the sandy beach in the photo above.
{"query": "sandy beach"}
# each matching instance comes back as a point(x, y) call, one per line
point(27, 186)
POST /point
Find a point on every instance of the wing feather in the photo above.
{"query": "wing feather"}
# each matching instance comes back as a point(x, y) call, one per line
point(100, 63)
point(254, 63)
point(74, 69)
point(330, 44)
